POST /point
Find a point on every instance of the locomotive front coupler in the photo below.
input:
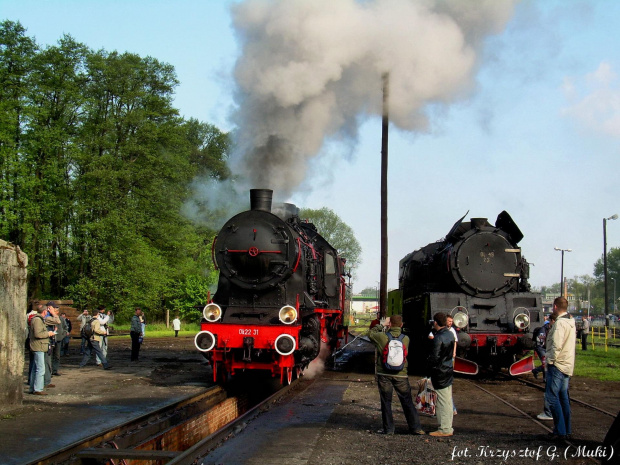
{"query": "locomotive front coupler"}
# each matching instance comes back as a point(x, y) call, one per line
point(248, 345)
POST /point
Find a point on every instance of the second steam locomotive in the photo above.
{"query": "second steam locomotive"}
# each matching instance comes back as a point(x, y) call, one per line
point(477, 275)
point(280, 293)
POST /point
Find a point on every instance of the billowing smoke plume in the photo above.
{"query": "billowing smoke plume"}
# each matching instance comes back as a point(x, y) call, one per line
point(311, 70)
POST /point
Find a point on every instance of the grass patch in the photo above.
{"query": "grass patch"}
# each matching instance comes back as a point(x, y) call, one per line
point(160, 330)
point(598, 364)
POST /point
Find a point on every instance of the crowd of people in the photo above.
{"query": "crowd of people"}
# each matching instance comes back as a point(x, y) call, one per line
point(555, 346)
point(49, 333)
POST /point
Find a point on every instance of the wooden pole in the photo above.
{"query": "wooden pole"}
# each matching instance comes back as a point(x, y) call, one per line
point(384, 198)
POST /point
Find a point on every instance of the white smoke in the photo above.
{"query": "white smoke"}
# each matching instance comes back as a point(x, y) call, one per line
point(317, 366)
point(311, 71)
point(213, 202)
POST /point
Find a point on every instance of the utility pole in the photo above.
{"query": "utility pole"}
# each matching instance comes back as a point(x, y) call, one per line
point(385, 121)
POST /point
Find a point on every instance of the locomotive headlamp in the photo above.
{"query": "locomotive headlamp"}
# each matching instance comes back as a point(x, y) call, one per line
point(461, 320)
point(212, 312)
point(204, 341)
point(285, 344)
point(288, 315)
point(460, 317)
point(522, 321)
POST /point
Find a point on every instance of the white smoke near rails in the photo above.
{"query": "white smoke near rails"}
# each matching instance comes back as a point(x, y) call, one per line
point(317, 366)
point(310, 72)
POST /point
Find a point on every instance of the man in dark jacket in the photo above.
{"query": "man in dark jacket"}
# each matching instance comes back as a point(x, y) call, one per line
point(389, 380)
point(441, 364)
point(135, 332)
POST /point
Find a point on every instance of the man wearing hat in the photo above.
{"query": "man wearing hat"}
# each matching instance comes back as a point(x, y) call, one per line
point(52, 321)
point(60, 333)
point(94, 342)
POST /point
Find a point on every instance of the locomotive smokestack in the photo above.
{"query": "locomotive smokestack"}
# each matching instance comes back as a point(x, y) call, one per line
point(260, 199)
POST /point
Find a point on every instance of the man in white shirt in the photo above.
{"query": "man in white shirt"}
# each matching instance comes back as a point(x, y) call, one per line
point(176, 325)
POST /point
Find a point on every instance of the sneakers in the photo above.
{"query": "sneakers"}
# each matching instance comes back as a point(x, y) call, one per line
point(440, 434)
point(40, 393)
point(544, 416)
point(419, 432)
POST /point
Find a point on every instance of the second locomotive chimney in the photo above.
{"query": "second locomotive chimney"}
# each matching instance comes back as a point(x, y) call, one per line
point(260, 199)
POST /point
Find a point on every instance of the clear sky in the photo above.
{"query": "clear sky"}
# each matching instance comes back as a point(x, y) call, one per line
point(536, 133)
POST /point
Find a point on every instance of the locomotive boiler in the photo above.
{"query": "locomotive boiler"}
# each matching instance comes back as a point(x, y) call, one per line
point(477, 275)
point(280, 293)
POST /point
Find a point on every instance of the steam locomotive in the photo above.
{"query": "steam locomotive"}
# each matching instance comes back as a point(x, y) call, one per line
point(280, 294)
point(477, 275)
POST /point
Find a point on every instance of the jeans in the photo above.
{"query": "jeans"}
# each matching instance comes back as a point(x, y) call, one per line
point(556, 395)
point(38, 372)
point(93, 346)
point(104, 349)
point(386, 386)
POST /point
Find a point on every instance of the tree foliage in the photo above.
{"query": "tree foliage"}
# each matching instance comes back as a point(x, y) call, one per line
point(336, 232)
point(95, 164)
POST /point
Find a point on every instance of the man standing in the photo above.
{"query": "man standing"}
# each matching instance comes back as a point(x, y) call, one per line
point(83, 319)
point(585, 330)
point(52, 320)
point(61, 333)
point(104, 320)
point(389, 380)
point(540, 341)
point(440, 362)
point(94, 343)
point(135, 331)
point(560, 365)
point(65, 342)
point(39, 337)
point(176, 325)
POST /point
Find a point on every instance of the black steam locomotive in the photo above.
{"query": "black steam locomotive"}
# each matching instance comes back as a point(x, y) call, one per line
point(478, 275)
point(280, 293)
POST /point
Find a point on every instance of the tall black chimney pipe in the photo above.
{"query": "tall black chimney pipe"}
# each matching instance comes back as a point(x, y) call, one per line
point(260, 199)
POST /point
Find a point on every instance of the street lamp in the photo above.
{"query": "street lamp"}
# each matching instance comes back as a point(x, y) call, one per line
point(613, 217)
point(614, 280)
point(562, 275)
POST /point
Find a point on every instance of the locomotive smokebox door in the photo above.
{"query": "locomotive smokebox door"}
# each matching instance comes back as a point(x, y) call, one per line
point(485, 263)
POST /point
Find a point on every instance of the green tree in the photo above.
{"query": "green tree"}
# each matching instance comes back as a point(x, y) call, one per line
point(336, 232)
point(95, 167)
point(613, 271)
point(17, 52)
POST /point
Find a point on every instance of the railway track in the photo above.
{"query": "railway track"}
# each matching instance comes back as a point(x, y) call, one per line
point(179, 433)
point(571, 444)
point(573, 399)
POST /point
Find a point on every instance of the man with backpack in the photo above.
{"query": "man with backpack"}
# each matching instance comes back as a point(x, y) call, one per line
point(391, 370)
point(441, 363)
point(93, 331)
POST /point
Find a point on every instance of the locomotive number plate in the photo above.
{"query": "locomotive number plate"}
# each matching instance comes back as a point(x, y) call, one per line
point(248, 332)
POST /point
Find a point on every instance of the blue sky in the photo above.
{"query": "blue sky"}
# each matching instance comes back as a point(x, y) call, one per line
point(537, 135)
